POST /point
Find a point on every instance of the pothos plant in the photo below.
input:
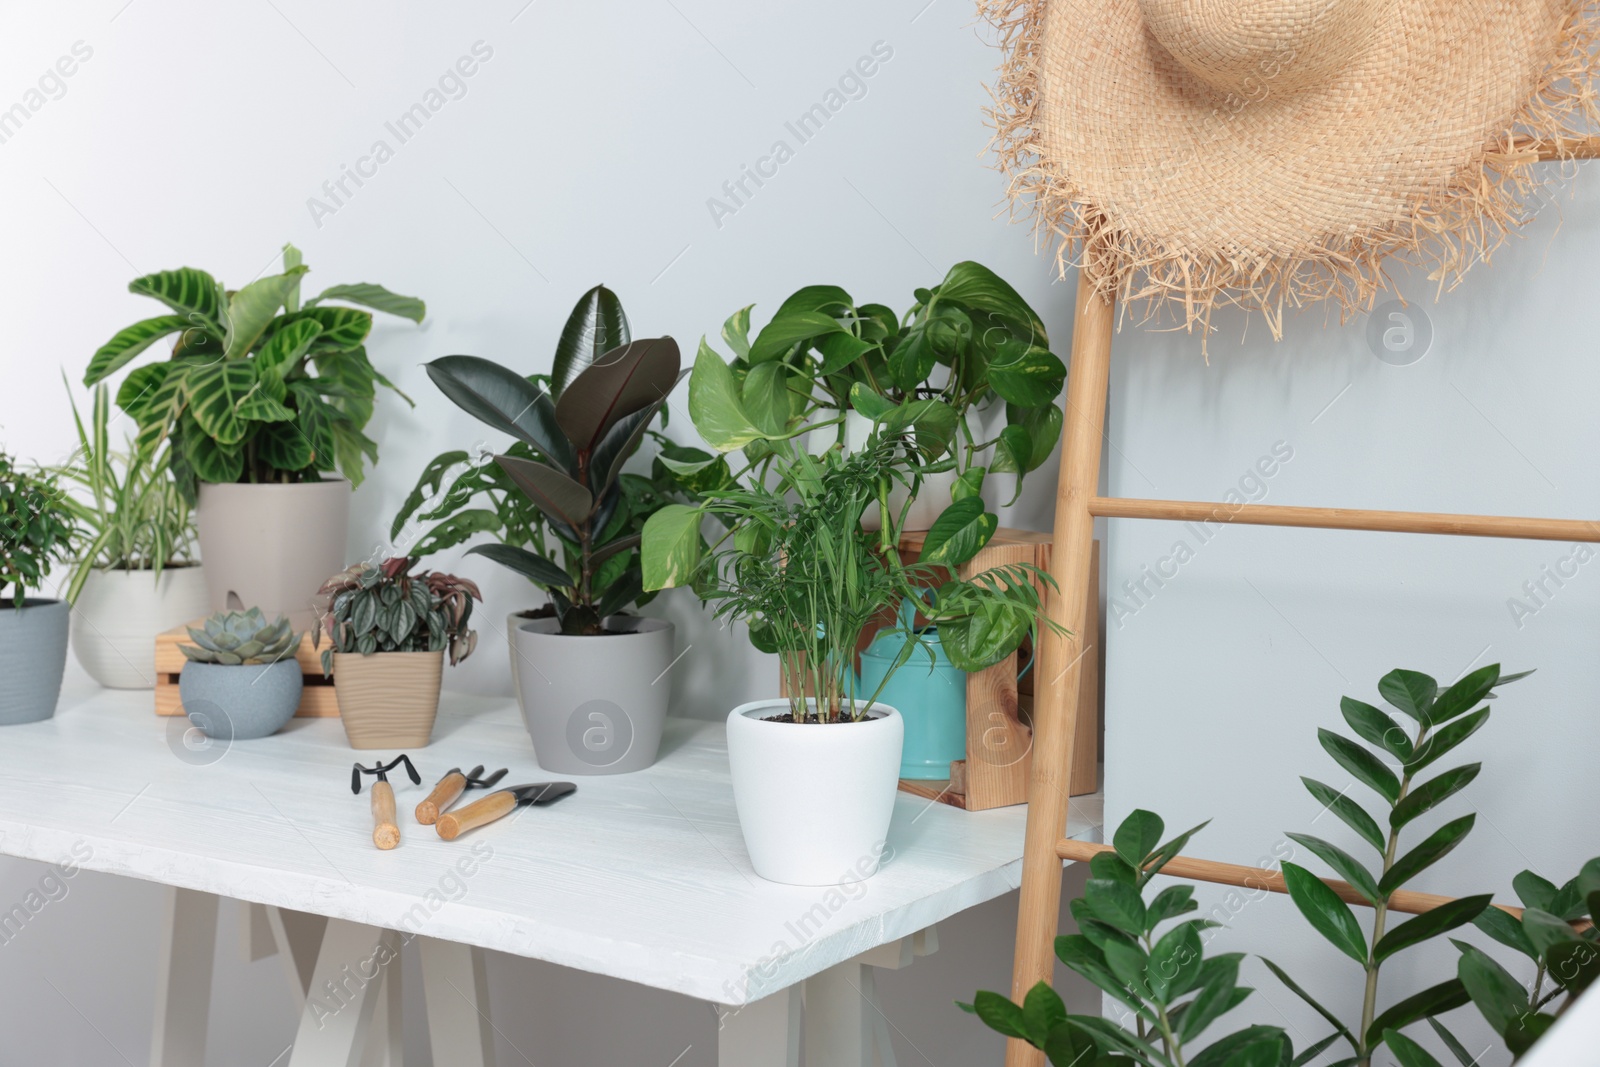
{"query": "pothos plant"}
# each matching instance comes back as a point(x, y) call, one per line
point(570, 468)
point(969, 342)
point(36, 529)
point(259, 387)
point(370, 608)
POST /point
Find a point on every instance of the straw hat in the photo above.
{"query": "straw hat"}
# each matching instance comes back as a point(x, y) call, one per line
point(1270, 153)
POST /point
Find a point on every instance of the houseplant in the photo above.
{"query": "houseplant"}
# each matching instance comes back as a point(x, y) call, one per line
point(36, 531)
point(388, 631)
point(240, 677)
point(264, 400)
point(586, 674)
point(794, 563)
point(970, 345)
point(135, 574)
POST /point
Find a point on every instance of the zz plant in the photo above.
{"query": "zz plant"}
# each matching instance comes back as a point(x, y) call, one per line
point(369, 608)
point(37, 529)
point(259, 387)
point(576, 434)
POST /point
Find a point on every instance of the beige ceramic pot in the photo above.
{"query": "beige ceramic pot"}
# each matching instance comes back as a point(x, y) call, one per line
point(388, 699)
point(272, 546)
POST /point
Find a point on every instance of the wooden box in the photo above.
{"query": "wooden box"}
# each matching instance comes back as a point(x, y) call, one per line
point(317, 699)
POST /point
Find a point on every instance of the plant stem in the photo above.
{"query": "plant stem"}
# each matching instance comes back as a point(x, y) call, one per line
point(1380, 917)
point(1169, 1040)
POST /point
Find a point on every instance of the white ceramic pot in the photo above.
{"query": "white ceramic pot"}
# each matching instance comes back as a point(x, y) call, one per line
point(814, 800)
point(272, 546)
point(119, 613)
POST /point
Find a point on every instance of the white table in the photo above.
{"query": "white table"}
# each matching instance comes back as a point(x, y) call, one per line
point(641, 877)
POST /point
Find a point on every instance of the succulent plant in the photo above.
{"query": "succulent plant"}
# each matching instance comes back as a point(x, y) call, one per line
point(383, 607)
point(236, 638)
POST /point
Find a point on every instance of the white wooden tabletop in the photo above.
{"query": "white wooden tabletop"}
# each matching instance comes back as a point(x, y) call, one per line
point(638, 876)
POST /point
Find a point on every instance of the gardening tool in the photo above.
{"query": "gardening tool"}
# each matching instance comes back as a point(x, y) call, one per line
point(450, 787)
point(453, 824)
point(385, 834)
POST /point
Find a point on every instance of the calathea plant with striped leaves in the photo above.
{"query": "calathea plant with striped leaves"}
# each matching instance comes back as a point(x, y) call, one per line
point(259, 385)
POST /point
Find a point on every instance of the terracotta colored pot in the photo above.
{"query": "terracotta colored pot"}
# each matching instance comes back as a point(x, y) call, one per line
point(388, 699)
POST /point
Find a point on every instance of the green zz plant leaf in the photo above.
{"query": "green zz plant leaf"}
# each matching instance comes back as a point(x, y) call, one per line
point(1388, 759)
point(1173, 991)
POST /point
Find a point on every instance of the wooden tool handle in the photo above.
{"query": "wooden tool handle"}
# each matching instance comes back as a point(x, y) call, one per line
point(444, 794)
point(452, 824)
point(385, 834)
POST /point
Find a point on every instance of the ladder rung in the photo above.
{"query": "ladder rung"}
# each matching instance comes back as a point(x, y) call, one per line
point(1348, 519)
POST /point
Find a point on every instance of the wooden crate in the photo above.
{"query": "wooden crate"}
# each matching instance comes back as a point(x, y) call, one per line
point(317, 699)
point(999, 739)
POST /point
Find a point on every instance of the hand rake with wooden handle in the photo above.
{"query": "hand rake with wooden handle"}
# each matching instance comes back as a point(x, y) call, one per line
point(385, 832)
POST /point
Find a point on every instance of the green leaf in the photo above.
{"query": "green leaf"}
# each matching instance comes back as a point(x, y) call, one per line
point(1044, 429)
point(461, 526)
point(1352, 814)
point(1435, 1000)
point(1534, 891)
point(1375, 727)
point(216, 391)
point(1361, 763)
point(1344, 865)
point(1430, 794)
point(595, 326)
point(1407, 1051)
point(342, 328)
point(1459, 1051)
point(766, 397)
point(280, 353)
point(1175, 963)
point(1498, 995)
point(1081, 956)
point(558, 496)
point(1171, 902)
point(1215, 998)
point(1166, 852)
point(1506, 930)
point(1042, 1011)
point(210, 461)
point(1138, 836)
point(283, 446)
point(1013, 450)
point(1069, 1045)
point(869, 403)
point(1305, 1056)
point(529, 564)
point(1410, 691)
point(1117, 904)
point(1025, 374)
point(428, 484)
point(1447, 738)
point(1430, 924)
point(1526, 1029)
point(1110, 865)
point(137, 395)
point(1294, 987)
point(1128, 962)
point(976, 286)
point(314, 419)
point(129, 342)
point(670, 554)
point(959, 533)
point(1220, 1052)
point(1328, 915)
point(1574, 964)
point(840, 350)
point(736, 332)
point(714, 404)
point(1266, 1052)
point(1434, 848)
point(505, 401)
point(1465, 694)
point(969, 484)
point(252, 309)
point(789, 328)
point(617, 384)
point(1545, 930)
point(192, 294)
point(375, 297)
point(1000, 1015)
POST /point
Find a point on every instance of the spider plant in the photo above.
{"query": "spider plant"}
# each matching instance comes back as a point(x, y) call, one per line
point(130, 513)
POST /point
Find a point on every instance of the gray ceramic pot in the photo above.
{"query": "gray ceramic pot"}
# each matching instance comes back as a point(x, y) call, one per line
point(240, 703)
point(594, 705)
point(33, 654)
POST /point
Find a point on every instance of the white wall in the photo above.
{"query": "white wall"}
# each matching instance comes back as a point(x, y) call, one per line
point(585, 150)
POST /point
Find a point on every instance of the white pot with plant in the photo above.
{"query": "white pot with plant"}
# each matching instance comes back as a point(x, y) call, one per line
point(36, 533)
point(135, 574)
point(815, 771)
point(589, 677)
point(264, 402)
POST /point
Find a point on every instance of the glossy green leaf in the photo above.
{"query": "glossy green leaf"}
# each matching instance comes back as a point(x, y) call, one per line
point(282, 446)
point(1457, 1050)
point(1534, 890)
point(1429, 924)
point(670, 553)
point(283, 350)
point(137, 395)
point(129, 342)
point(1344, 865)
point(314, 419)
point(1165, 852)
point(1407, 1052)
point(617, 384)
point(375, 297)
point(1215, 997)
point(1110, 865)
point(1267, 1052)
point(252, 309)
point(505, 401)
point(596, 325)
point(1410, 691)
point(1339, 1027)
point(736, 332)
point(1220, 1052)
point(529, 564)
point(1042, 1011)
point(999, 1014)
point(959, 533)
point(1175, 963)
point(1506, 930)
point(211, 462)
point(558, 496)
point(1435, 1000)
point(215, 392)
point(1352, 814)
point(1171, 902)
point(1526, 1029)
point(840, 350)
point(1361, 763)
point(1433, 848)
point(1446, 738)
point(1117, 904)
point(1499, 996)
point(1137, 836)
point(789, 328)
point(192, 294)
point(969, 484)
point(1430, 794)
point(1025, 374)
point(1311, 1052)
point(1069, 1045)
point(1574, 964)
point(1083, 957)
point(765, 397)
point(867, 401)
point(1328, 915)
point(428, 484)
point(1464, 695)
point(1545, 930)
point(1376, 727)
point(714, 404)
point(1128, 962)
point(976, 286)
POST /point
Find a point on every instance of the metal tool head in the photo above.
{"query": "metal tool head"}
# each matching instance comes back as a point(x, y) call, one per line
point(475, 778)
point(382, 770)
point(541, 792)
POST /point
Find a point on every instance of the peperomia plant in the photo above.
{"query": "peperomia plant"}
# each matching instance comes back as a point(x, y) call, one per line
point(969, 342)
point(577, 443)
point(36, 529)
point(369, 608)
point(1171, 988)
point(259, 387)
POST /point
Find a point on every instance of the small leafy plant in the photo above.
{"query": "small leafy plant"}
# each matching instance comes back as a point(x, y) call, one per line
point(241, 638)
point(36, 529)
point(369, 608)
point(258, 388)
point(1164, 978)
point(133, 519)
point(576, 435)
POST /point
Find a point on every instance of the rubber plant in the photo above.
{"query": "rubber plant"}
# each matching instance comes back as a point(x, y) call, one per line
point(970, 341)
point(258, 387)
point(36, 529)
point(576, 434)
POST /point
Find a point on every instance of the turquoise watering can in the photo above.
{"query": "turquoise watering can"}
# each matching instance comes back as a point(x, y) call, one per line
point(932, 699)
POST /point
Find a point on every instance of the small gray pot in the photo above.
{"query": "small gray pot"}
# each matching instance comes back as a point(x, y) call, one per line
point(594, 705)
point(33, 655)
point(240, 703)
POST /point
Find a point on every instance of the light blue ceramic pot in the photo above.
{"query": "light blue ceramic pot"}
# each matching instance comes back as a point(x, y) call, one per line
point(240, 703)
point(33, 655)
point(931, 698)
